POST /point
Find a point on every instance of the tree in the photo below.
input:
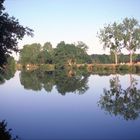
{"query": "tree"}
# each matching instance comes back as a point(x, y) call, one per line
point(48, 46)
point(82, 45)
point(47, 53)
point(5, 132)
point(75, 84)
point(131, 35)
point(111, 37)
point(10, 32)
point(121, 102)
point(64, 55)
point(9, 71)
point(29, 54)
point(70, 54)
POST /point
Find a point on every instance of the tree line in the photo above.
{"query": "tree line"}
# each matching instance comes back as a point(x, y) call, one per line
point(109, 59)
point(67, 55)
point(63, 82)
point(62, 56)
point(116, 37)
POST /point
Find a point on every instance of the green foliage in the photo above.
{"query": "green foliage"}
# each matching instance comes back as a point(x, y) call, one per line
point(131, 35)
point(137, 69)
point(121, 35)
point(47, 67)
point(75, 84)
point(10, 32)
point(70, 54)
point(103, 69)
point(121, 102)
point(30, 80)
point(9, 70)
point(46, 54)
point(29, 54)
point(101, 59)
point(111, 36)
point(62, 80)
point(108, 59)
point(48, 47)
point(64, 55)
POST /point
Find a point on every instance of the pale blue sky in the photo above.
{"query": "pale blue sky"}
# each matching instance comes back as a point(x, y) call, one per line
point(70, 20)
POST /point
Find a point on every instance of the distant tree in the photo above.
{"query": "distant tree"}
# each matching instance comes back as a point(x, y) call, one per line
point(111, 37)
point(64, 54)
point(46, 55)
point(29, 54)
point(101, 58)
point(48, 46)
point(81, 53)
point(82, 45)
point(131, 35)
point(105, 59)
point(70, 54)
point(10, 32)
point(61, 44)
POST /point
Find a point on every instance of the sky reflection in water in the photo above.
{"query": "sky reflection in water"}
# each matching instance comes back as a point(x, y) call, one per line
point(52, 106)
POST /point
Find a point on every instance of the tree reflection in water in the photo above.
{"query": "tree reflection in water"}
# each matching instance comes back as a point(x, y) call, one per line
point(119, 101)
point(64, 81)
point(5, 133)
point(6, 74)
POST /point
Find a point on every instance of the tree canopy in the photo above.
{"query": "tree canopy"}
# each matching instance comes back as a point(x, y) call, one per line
point(131, 35)
point(121, 102)
point(121, 35)
point(29, 53)
point(10, 32)
point(63, 55)
point(70, 54)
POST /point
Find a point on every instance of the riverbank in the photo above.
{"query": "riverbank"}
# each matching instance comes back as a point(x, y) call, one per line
point(89, 67)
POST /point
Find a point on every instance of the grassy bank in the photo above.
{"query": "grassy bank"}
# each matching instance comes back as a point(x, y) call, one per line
point(93, 68)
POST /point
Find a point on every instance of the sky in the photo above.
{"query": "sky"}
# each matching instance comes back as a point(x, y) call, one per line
point(70, 20)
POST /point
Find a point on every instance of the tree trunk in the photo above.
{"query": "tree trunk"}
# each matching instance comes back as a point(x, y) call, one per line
point(116, 58)
point(131, 80)
point(131, 60)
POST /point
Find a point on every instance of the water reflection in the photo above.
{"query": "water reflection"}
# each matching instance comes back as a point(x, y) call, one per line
point(120, 101)
point(5, 133)
point(6, 74)
point(40, 116)
point(65, 81)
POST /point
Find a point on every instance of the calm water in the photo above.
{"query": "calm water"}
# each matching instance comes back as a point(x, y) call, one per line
point(39, 105)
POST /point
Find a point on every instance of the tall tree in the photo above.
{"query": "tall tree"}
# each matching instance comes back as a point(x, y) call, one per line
point(10, 32)
point(131, 35)
point(111, 37)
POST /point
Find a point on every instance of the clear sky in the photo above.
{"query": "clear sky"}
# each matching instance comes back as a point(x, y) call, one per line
point(70, 20)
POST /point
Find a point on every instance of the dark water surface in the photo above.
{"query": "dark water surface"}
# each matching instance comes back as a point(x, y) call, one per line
point(40, 106)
